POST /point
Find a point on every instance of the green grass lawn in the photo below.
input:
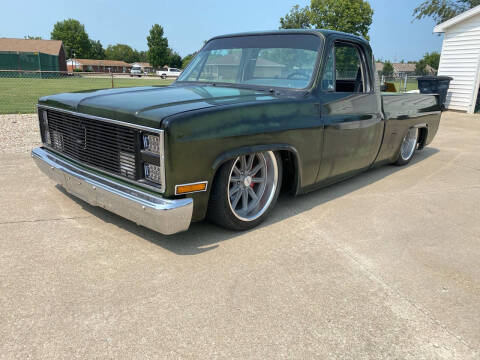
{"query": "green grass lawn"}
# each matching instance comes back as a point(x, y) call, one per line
point(400, 84)
point(20, 95)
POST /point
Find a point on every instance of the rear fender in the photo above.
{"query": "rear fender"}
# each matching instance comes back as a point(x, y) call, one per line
point(422, 136)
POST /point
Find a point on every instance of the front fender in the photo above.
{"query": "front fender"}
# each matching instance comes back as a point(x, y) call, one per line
point(201, 199)
point(198, 143)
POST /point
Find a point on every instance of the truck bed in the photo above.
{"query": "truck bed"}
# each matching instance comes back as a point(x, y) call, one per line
point(403, 111)
point(397, 105)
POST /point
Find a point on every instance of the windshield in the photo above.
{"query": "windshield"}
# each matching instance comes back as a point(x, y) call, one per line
point(283, 60)
point(136, 68)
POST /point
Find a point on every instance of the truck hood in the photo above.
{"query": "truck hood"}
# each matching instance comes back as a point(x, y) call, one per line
point(148, 106)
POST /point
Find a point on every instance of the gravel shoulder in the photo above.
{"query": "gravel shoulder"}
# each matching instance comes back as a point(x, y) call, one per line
point(19, 133)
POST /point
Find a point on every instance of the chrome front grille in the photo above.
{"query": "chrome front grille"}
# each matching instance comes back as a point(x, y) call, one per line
point(103, 145)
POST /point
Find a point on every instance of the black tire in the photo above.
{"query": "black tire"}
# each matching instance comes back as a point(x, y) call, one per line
point(408, 147)
point(219, 208)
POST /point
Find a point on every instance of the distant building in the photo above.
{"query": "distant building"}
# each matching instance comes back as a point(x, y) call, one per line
point(225, 67)
point(402, 69)
point(430, 70)
point(93, 65)
point(146, 67)
point(461, 59)
point(32, 55)
point(379, 66)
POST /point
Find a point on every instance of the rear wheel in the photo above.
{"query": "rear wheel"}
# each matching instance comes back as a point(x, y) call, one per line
point(245, 190)
point(408, 147)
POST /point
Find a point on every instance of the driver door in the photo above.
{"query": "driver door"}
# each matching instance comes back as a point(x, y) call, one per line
point(351, 114)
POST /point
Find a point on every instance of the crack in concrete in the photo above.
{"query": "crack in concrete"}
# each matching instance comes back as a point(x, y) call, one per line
point(45, 220)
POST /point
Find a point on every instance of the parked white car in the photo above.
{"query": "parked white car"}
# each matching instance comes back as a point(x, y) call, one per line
point(169, 72)
point(136, 71)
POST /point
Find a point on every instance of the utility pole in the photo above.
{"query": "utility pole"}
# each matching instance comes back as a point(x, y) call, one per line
point(74, 62)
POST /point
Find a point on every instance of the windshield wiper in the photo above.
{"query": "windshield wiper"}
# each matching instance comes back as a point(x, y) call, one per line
point(269, 90)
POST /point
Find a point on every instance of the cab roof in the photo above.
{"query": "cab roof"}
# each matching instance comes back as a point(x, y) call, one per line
point(319, 32)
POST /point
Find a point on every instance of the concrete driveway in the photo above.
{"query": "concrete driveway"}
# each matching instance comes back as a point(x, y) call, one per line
point(386, 265)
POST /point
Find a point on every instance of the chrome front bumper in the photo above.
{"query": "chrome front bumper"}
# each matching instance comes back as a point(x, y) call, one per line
point(154, 212)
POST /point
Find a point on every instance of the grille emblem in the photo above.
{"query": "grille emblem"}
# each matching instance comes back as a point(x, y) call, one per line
point(84, 140)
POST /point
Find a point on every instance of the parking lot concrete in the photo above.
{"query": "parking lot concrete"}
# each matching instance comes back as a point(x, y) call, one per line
point(385, 265)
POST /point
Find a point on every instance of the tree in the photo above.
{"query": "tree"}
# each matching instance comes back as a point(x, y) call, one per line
point(157, 47)
point(186, 60)
point(140, 55)
point(120, 52)
point(432, 59)
point(387, 68)
point(96, 50)
point(74, 37)
point(443, 10)
point(351, 16)
point(420, 67)
point(297, 18)
point(174, 59)
point(29, 37)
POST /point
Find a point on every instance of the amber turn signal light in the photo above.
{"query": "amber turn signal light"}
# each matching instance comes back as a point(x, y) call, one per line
point(190, 188)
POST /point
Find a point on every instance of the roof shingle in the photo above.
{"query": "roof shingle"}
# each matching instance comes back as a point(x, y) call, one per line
point(51, 47)
point(94, 62)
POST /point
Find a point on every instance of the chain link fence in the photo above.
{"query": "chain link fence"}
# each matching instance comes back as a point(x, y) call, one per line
point(20, 90)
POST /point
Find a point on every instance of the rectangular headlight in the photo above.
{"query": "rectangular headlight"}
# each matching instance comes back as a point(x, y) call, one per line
point(153, 158)
point(153, 173)
point(151, 143)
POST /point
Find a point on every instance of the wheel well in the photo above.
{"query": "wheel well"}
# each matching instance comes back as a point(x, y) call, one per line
point(422, 137)
point(290, 175)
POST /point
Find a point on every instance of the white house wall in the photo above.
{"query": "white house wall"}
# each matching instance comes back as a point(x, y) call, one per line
point(461, 59)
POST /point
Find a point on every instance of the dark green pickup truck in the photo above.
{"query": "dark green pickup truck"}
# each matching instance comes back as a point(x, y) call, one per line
point(252, 115)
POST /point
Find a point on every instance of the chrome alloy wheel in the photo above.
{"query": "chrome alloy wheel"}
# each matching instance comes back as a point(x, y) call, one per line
point(252, 185)
point(409, 144)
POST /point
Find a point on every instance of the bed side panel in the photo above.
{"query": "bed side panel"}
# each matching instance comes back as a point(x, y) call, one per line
point(403, 111)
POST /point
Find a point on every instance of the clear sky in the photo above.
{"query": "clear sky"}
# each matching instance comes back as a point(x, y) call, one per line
point(189, 22)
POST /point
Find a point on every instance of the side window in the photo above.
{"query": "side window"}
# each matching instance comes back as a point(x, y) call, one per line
point(349, 70)
point(328, 79)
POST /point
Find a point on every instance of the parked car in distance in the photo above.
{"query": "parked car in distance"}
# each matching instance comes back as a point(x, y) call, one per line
point(136, 71)
point(169, 72)
point(252, 115)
